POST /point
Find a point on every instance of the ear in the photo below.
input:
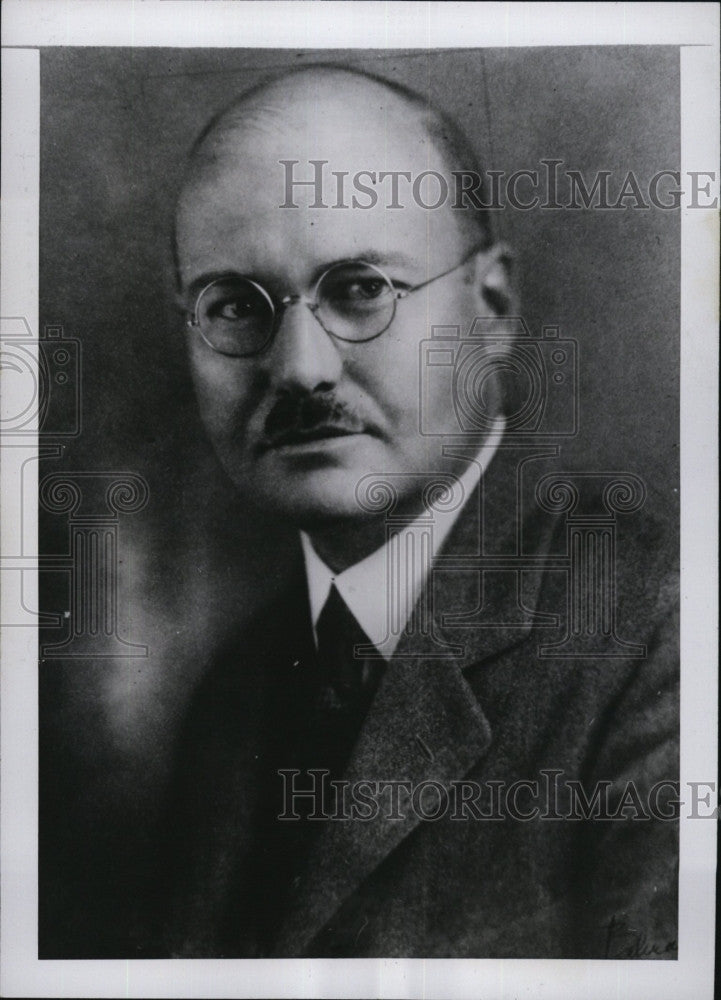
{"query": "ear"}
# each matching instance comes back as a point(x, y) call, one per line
point(495, 298)
point(493, 281)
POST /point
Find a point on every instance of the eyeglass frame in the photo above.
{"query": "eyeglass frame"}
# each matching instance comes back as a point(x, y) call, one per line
point(311, 301)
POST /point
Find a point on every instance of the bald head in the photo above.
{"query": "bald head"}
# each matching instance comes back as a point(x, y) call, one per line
point(310, 102)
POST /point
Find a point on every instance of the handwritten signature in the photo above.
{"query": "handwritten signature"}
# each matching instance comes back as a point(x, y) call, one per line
point(623, 941)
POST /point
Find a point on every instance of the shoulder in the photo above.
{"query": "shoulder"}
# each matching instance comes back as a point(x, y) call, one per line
point(597, 676)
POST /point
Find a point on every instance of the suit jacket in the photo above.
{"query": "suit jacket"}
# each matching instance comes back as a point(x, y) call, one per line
point(492, 714)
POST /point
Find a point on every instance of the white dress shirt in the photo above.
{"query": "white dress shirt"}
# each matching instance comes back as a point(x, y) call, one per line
point(364, 586)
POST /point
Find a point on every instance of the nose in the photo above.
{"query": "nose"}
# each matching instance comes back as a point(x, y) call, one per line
point(302, 355)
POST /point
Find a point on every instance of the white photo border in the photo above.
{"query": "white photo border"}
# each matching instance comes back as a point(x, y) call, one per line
point(28, 24)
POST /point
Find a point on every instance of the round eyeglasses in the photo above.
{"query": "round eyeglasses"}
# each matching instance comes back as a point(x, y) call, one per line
point(353, 301)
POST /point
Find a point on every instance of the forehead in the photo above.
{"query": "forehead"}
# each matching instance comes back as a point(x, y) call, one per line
point(321, 113)
point(230, 213)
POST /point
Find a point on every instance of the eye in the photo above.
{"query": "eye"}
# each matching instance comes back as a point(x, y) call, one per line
point(358, 287)
point(364, 289)
point(233, 309)
point(233, 301)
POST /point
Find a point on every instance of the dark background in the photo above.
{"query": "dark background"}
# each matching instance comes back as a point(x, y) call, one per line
point(116, 125)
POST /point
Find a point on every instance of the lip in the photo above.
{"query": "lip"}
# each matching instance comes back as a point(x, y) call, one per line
point(323, 436)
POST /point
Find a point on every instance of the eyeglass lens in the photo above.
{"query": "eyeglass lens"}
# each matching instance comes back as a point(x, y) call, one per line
point(354, 302)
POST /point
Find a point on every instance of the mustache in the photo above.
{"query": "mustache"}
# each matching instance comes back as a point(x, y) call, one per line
point(297, 416)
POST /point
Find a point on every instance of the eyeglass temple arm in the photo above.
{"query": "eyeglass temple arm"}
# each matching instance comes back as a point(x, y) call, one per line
point(499, 252)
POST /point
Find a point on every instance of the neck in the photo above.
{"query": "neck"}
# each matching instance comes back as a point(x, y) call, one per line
point(344, 545)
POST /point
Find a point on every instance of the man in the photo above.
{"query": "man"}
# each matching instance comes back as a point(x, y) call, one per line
point(335, 779)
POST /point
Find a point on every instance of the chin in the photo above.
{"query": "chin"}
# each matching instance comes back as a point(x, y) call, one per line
point(308, 502)
point(316, 512)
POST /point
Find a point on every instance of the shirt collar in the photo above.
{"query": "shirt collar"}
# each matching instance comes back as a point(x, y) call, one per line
point(363, 586)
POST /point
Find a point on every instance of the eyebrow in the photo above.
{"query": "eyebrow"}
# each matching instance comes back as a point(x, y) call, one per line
point(375, 257)
point(197, 285)
point(379, 259)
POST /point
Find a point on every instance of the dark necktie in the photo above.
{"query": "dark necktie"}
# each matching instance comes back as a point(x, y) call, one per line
point(347, 683)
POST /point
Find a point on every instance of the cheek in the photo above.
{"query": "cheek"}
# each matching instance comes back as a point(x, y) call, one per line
point(223, 387)
point(388, 375)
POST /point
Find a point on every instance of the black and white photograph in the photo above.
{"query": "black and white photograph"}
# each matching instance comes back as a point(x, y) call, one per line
point(359, 583)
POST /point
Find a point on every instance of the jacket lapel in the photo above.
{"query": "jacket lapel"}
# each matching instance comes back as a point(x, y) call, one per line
point(214, 811)
point(223, 773)
point(425, 723)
